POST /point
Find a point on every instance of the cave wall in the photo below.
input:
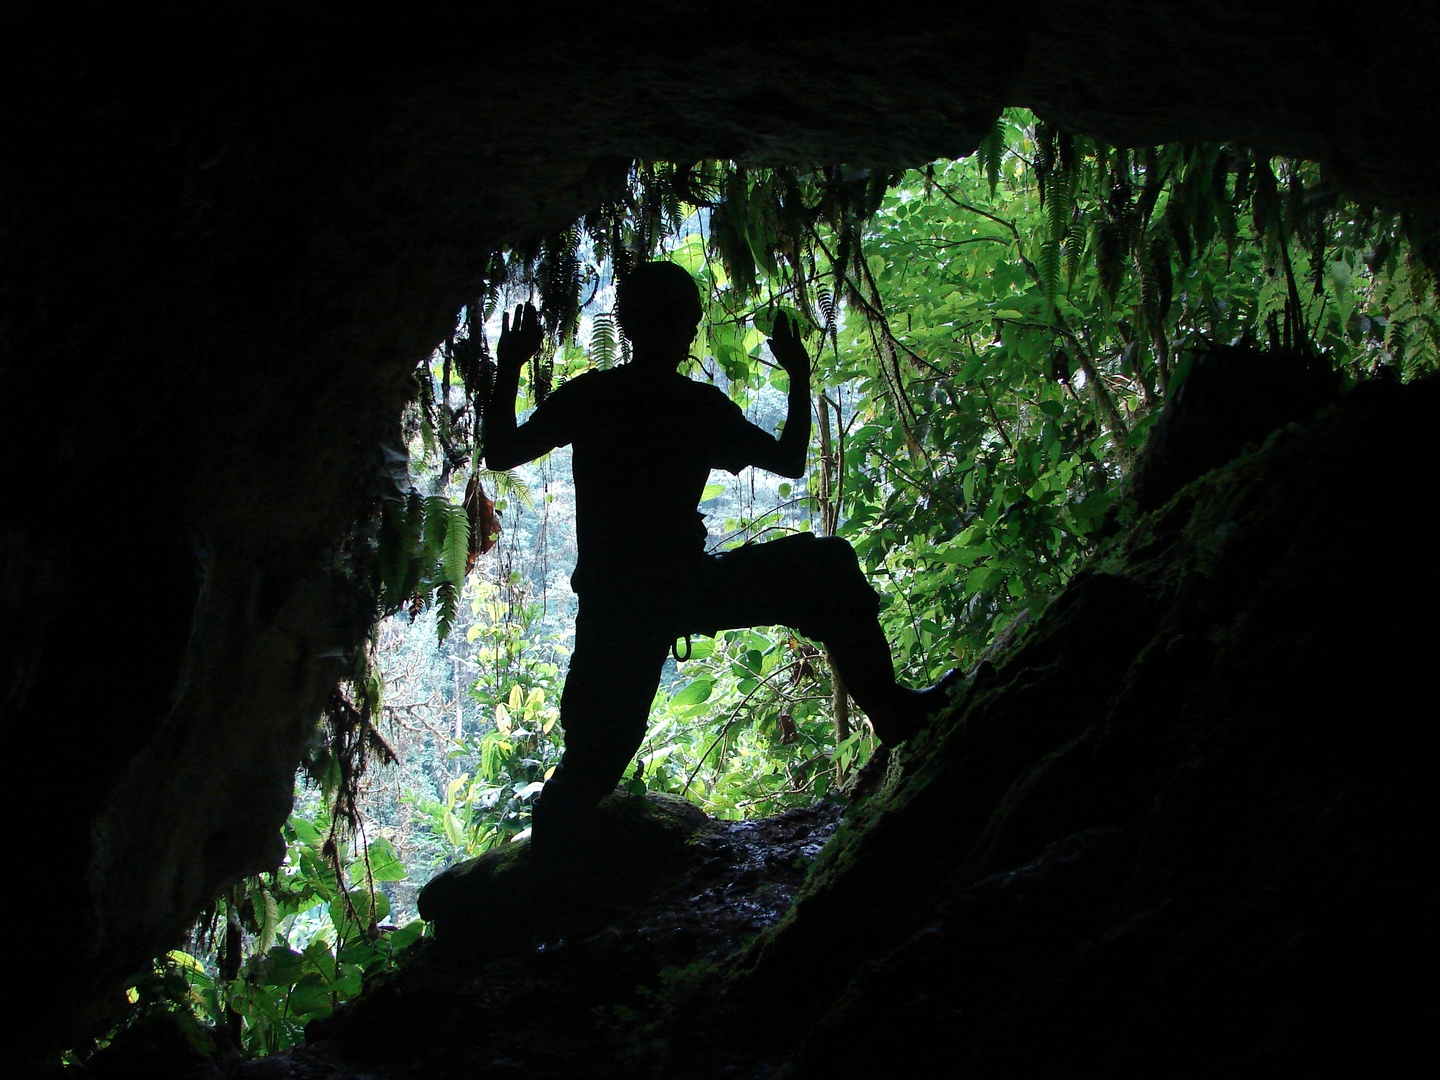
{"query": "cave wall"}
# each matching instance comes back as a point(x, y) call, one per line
point(1172, 832)
point(228, 236)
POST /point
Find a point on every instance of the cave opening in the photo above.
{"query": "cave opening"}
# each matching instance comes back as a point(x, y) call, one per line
point(469, 667)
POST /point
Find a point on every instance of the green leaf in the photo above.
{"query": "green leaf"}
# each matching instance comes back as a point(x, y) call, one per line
point(371, 908)
point(385, 865)
point(311, 994)
point(454, 831)
point(1093, 506)
point(407, 935)
point(701, 648)
point(281, 966)
point(305, 831)
point(694, 692)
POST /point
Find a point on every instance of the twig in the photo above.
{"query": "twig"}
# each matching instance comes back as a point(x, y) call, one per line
point(735, 715)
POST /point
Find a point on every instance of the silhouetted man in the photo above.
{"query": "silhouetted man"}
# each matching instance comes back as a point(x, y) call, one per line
point(645, 439)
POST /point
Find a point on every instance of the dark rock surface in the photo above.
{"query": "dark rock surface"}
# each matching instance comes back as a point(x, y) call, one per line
point(1174, 831)
point(1207, 763)
point(229, 234)
point(633, 849)
point(1233, 396)
point(522, 979)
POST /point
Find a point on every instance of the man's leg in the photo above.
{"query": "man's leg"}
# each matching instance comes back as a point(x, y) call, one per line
point(604, 708)
point(816, 585)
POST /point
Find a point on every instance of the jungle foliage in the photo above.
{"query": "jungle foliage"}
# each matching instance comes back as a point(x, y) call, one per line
point(991, 337)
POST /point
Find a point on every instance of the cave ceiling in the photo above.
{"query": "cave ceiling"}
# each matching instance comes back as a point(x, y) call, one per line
point(312, 194)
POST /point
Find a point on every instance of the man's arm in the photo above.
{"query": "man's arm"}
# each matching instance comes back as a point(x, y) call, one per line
point(785, 456)
point(506, 445)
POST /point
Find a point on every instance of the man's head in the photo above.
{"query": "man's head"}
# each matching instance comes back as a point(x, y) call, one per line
point(659, 308)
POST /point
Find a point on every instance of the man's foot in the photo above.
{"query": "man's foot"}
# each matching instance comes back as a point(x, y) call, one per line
point(915, 709)
point(940, 696)
point(560, 830)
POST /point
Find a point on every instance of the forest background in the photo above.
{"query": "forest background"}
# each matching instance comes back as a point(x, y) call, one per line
point(991, 337)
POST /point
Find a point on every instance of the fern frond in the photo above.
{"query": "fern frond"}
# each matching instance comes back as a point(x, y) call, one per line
point(542, 375)
point(401, 530)
point(1158, 283)
point(1179, 227)
point(558, 276)
point(447, 599)
point(603, 338)
point(728, 239)
point(826, 299)
point(456, 551)
point(267, 915)
point(1060, 203)
point(1065, 152)
point(1074, 250)
point(1265, 207)
point(1222, 205)
point(510, 484)
point(1048, 264)
point(423, 379)
point(1200, 207)
point(991, 149)
point(1110, 252)
point(1044, 158)
point(432, 541)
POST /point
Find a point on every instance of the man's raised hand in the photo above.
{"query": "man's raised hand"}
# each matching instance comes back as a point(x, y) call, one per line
point(519, 340)
point(788, 350)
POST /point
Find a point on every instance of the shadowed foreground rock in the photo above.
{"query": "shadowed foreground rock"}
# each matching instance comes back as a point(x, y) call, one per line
point(1176, 830)
point(550, 987)
point(509, 897)
point(1174, 834)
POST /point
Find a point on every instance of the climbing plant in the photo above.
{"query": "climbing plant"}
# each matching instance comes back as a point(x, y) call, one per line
point(280, 949)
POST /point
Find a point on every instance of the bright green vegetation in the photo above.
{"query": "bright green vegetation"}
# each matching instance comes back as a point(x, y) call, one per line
point(991, 339)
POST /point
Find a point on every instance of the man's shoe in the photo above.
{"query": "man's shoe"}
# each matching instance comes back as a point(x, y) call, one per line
point(915, 709)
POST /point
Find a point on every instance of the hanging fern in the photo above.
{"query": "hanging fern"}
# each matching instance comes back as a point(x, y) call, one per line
point(1048, 263)
point(1060, 203)
point(507, 483)
point(1177, 221)
point(1110, 256)
point(991, 151)
point(603, 341)
point(423, 553)
point(456, 549)
point(557, 275)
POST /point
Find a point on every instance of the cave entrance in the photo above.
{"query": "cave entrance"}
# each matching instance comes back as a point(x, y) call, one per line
point(991, 338)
